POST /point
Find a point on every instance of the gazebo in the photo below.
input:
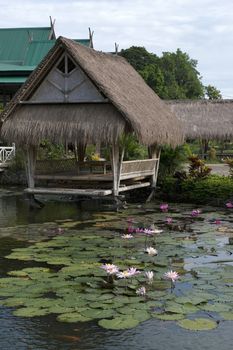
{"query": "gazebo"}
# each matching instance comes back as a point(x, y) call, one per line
point(78, 95)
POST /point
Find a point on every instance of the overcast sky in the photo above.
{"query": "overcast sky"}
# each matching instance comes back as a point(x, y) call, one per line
point(202, 28)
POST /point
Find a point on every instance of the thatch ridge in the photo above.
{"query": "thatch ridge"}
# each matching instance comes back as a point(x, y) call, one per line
point(206, 119)
point(142, 110)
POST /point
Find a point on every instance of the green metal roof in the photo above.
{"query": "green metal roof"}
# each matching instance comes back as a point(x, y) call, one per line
point(5, 67)
point(12, 80)
point(38, 49)
point(14, 42)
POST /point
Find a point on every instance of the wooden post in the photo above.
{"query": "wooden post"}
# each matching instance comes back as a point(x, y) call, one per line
point(154, 152)
point(120, 166)
point(115, 168)
point(30, 166)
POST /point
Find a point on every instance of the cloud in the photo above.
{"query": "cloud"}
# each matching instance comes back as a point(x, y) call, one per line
point(202, 28)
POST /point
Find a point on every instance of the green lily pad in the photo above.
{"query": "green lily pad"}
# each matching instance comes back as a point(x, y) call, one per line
point(217, 307)
point(228, 316)
point(198, 324)
point(119, 323)
point(30, 312)
point(72, 317)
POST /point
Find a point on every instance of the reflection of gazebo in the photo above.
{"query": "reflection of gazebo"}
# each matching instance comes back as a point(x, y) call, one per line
point(78, 95)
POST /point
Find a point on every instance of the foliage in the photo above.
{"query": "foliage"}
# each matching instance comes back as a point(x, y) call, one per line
point(49, 150)
point(182, 80)
point(213, 190)
point(197, 168)
point(133, 149)
point(171, 160)
point(18, 162)
point(212, 93)
point(171, 76)
point(139, 57)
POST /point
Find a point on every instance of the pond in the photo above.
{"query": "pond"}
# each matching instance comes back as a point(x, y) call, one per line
point(55, 293)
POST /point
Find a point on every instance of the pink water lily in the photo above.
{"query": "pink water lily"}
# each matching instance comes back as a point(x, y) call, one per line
point(164, 207)
point(171, 275)
point(169, 221)
point(195, 212)
point(229, 205)
point(217, 222)
point(110, 269)
point(133, 271)
point(130, 229)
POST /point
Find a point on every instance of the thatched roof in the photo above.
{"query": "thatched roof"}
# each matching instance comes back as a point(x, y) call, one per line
point(133, 106)
point(206, 119)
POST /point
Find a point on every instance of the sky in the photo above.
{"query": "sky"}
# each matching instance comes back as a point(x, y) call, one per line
point(202, 28)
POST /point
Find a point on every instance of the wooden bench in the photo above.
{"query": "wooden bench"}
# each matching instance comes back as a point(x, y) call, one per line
point(138, 168)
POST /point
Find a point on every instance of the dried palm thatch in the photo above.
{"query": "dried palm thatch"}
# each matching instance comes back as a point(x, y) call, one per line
point(133, 106)
point(79, 125)
point(206, 119)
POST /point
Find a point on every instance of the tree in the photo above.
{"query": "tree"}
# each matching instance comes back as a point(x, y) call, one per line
point(172, 76)
point(154, 77)
point(181, 77)
point(139, 57)
point(212, 93)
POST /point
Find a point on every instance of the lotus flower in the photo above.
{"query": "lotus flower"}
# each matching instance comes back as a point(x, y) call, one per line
point(151, 251)
point(164, 207)
point(110, 269)
point(171, 275)
point(150, 276)
point(169, 221)
point(195, 212)
point(229, 205)
point(141, 291)
point(127, 236)
point(217, 222)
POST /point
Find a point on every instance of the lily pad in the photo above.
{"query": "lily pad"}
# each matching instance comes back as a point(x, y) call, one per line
point(118, 323)
point(198, 324)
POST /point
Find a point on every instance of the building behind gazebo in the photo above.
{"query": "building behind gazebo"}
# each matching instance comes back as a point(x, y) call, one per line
point(205, 119)
point(80, 96)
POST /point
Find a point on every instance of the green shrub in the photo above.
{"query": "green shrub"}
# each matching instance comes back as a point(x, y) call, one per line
point(214, 190)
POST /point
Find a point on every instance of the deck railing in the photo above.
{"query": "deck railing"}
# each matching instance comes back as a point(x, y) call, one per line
point(6, 154)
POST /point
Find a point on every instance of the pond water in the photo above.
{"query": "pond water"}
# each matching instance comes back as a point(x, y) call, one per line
point(204, 249)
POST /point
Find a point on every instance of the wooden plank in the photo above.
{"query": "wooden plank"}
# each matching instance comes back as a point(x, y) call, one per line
point(136, 174)
point(68, 191)
point(133, 187)
point(85, 178)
